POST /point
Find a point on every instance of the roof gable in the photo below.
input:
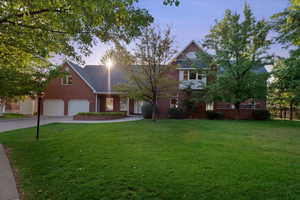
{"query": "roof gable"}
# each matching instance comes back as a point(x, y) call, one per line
point(191, 47)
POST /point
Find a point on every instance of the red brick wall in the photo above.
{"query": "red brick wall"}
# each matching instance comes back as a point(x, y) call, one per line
point(78, 90)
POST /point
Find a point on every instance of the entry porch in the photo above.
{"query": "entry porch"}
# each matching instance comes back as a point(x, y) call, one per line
point(117, 103)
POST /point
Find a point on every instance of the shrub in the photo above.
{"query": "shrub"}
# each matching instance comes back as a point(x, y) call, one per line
point(214, 115)
point(147, 110)
point(261, 114)
point(176, 113)
point(103, 113)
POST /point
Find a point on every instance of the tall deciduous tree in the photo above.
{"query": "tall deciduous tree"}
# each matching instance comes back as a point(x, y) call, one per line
point(239, 50)
point(150, 79)
point(284, 91)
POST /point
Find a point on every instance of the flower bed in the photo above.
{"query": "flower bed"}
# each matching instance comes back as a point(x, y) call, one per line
point(99, 115)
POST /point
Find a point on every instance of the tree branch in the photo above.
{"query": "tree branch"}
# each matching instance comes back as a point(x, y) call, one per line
point(37, 12)
point(35, 27)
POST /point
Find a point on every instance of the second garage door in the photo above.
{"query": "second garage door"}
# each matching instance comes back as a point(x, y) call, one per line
point(53, 107)
point(76, 106)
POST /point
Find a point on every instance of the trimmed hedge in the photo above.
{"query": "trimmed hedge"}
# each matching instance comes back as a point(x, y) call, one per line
point(103, 113)
point(261, 114)
point(214, 115)
point(176, 113)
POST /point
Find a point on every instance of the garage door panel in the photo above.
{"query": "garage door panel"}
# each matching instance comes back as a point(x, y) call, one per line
point(53, 107)
point(75, 106)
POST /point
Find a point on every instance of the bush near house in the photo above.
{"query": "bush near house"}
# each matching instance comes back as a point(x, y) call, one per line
point(103, 113)
point(147, 111)
point(12, 116)
point(99, 115)
point(176, 113)
point(261, 114)
point(214, 115)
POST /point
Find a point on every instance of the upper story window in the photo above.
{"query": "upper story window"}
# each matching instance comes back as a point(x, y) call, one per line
point(192, 75)
point(67, 80)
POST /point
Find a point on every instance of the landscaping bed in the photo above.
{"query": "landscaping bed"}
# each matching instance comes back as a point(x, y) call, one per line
point(99, 115)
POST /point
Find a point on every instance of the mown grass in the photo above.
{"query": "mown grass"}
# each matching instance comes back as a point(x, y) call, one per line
point(170, 159)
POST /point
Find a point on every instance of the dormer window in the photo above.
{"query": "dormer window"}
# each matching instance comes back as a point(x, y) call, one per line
point(67, 80)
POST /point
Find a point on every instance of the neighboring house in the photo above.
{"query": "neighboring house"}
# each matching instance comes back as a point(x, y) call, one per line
point(86, 89)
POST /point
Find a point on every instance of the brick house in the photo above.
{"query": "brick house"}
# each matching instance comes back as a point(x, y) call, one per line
point(86, 89)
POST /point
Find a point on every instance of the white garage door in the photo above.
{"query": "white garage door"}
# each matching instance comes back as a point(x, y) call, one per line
point(53, 107)
point(76, 106)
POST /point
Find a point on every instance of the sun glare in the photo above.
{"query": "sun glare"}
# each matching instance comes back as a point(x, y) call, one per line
point(109, 63)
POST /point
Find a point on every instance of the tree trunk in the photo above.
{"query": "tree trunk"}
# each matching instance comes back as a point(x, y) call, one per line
point(237, 108)
point(2, 109)
point(291, 111)
point(284, 114)
point(154, 105)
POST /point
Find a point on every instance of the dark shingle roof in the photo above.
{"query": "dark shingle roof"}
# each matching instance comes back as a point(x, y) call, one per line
point(97, 76)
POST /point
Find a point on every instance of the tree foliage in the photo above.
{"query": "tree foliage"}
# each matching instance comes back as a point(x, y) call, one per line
point(150, 79)
point(36, 29)
point(119, 55)
point(238, 50)
point(287, 24)
point(284, 91)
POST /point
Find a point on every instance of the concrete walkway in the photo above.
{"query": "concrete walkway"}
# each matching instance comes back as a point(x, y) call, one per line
point(8, 188)
point(13, 124)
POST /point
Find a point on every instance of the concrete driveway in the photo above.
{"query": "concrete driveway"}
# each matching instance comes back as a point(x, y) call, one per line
point(12, 124)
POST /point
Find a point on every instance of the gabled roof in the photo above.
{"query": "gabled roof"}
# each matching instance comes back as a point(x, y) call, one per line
point(96, 76)
point(187, 46)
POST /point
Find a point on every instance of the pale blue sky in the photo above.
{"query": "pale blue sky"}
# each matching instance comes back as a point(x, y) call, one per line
point(193, 19)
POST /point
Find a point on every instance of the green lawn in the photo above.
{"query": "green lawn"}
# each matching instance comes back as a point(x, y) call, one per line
point(172, 159)
point(11, 116)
